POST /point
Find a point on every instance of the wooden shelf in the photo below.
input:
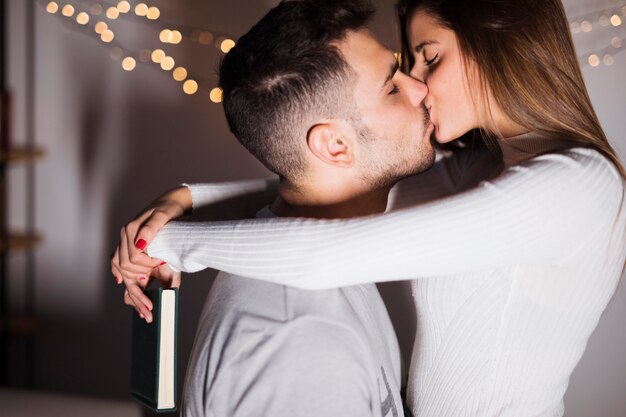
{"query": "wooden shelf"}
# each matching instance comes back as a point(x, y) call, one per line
point(19, 326)
point(19, 242)
point(21, 155)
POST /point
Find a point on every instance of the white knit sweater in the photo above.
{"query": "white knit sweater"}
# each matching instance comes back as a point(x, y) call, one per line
point(510, 275)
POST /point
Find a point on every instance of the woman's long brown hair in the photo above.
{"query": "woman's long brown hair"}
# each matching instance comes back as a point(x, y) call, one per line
point(526, 57)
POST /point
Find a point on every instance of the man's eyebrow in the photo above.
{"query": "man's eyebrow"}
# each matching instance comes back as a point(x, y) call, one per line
point(421, 46)
point(392, 71)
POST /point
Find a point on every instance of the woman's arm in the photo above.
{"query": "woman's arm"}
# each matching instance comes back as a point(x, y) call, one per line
point(235, 199)
point(130, 265)
point(539, 212)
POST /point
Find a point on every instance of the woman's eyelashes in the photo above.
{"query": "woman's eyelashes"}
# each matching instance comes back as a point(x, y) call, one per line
point(431, 61)
point(394, 90)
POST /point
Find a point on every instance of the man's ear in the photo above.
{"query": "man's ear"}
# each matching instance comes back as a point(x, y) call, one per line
point(331, 144)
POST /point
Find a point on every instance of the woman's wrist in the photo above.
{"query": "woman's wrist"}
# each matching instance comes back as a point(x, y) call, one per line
point(181, 197)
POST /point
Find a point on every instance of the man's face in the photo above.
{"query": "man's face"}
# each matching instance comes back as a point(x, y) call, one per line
point(394, 126)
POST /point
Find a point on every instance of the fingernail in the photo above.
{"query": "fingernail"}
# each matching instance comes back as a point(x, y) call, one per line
point(162, 263)
point(118, 280)
point(141, 244)
point(141, 315)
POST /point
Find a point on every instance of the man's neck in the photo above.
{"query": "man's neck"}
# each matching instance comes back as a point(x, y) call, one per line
point(305, 204)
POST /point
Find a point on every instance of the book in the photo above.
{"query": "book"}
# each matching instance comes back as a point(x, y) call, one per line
point(153, 369)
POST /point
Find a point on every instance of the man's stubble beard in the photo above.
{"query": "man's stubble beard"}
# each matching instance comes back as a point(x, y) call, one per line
point(385, 167)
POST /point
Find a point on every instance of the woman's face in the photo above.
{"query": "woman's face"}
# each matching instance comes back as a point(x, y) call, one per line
point(440, 64)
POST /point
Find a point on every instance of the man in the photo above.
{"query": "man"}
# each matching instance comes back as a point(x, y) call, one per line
point(319, 101)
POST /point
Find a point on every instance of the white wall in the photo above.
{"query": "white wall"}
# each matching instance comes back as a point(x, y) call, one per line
point(115, 140)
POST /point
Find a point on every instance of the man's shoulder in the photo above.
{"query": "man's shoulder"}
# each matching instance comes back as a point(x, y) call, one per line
point(252, 316)
point(309, 344)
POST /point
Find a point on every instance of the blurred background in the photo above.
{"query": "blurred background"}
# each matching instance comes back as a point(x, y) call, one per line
point(98, 122)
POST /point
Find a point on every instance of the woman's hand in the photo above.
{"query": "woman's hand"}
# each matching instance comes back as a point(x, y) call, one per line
point(130, 264)
point(167, 279)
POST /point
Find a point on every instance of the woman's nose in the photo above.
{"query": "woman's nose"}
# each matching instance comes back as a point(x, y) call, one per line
point(416, 74)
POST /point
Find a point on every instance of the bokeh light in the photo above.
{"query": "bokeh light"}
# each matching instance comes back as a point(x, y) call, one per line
point(52, 7)
point(227, 45)
point(68, 10)
point(190, 87)
point(216, 95)
point(129, 63)
point(179, 74)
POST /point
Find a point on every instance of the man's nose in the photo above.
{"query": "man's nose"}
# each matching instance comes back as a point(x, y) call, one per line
point(417, 91)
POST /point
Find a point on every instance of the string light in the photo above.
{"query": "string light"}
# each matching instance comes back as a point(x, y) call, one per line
point(107, 36)
point(153, 13)
point(227, 45)
point(167, 63)
point(216, 95)
point(123, 6)
point(157, 56)
point(604, 21)
point(608, 60)
point(116, 53)
point(113, 13)
point(616, 42)
point(205, 38)
point(96, 9)
point(575, 27)
point(129, 63)
point(586, 26)
point(145, 55)
point(166, 36)
point(616, 20)
point(100, 27)
point(68, 10)
point(141, 9)
point(594, 60)
point(82, 18)
point(52, 7)
point(179, 74)
point(177, 37)
point(190, 87)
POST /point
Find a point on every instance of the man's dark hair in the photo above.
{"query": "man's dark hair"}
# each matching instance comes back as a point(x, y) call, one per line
point(285, 74)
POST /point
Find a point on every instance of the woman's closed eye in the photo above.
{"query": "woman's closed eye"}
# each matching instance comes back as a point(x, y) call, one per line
point(431, 61)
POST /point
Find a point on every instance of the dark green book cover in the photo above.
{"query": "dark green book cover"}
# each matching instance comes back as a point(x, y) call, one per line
point(153, 372)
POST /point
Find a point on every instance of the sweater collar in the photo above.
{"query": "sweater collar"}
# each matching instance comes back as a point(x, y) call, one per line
point(518, 149)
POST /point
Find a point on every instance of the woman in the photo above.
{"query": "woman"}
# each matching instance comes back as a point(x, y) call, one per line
point(513, 273)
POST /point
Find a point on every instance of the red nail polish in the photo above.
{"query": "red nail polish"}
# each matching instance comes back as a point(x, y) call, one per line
point(141, 278)
point(141, 244)
point(162, 263)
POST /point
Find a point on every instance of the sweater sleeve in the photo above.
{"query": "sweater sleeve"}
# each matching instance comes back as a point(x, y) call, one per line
point(539, 212)
point(209, 193)
point(231, 200)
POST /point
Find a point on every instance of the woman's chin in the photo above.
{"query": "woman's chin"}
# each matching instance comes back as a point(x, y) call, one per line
point(442, 139)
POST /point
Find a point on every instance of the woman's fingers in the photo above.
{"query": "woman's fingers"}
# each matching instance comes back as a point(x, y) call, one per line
point(129, 301)
point(140, 300)
point(175, 280)
point(167, 277)
point(149, 229)
point(115, 266)
point(127, 266)
point(136, 253)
